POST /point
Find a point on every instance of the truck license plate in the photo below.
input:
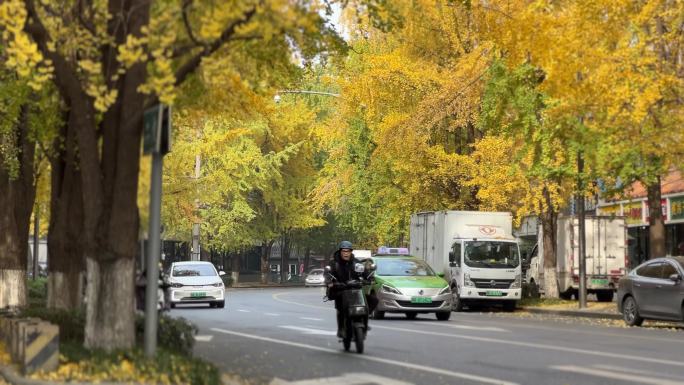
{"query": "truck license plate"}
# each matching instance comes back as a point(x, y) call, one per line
point(600, 282)
point(494, 293)
point(198, 294)
point(421, 300)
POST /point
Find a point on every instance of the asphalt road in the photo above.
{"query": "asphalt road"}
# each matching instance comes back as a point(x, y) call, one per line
point(287, 336)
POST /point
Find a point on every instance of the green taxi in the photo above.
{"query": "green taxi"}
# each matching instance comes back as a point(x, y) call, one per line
point(405, 284)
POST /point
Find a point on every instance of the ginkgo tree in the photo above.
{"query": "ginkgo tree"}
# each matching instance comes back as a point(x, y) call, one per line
point(109, 60)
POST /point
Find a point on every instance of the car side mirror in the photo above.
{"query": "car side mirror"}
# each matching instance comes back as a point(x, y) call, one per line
point(441, 275)
point(451, 257)
point(675, 277)
point(222, 273)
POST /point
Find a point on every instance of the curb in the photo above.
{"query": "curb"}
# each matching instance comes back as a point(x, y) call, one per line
point(574, 313)
point(14, 378)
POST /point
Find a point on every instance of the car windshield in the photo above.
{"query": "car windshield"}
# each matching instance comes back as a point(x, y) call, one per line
point(402, 267)
point(316, 272)
point(491, 254)
point(199, 270)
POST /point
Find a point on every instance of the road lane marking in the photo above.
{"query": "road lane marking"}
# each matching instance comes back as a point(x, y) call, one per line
point(347, 379)
point(206, 338)
point(276, 297)
point(407, 365)
point(537, 346)
point(272, 314)
point(464, 327)
point(615, 375)
point(461, 318)
point(244, 311)
point(309, 330)
point(649, 373)
point(311, 319)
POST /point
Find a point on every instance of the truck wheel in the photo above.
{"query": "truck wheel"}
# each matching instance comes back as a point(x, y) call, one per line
point(604, 296)
point(443, 316)
point(457, 304)
point(566, 295)
point(533, 289)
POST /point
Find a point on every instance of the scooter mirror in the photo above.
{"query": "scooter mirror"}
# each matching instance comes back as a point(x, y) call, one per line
point(359, 268)
point(327, 269)
point(373, 267)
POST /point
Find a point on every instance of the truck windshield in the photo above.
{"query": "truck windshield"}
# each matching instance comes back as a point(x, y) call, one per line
point(491, 254)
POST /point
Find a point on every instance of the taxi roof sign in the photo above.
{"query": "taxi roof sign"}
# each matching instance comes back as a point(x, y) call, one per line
point(393, 250)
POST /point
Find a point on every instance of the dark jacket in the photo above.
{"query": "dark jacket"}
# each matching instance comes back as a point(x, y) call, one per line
point(343, 271)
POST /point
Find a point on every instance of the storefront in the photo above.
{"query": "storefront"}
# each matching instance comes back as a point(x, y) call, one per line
point(636, 213)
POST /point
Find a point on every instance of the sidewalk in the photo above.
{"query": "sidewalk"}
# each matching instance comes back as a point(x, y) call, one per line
point(600, 310)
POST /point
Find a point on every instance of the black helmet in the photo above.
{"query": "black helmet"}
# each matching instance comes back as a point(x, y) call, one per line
point(345, 245)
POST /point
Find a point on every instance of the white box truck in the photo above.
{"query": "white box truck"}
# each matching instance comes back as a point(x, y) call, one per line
point(606, 256)
point(476, 251)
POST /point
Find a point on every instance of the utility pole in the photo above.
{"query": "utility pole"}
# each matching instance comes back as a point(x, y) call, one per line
point(36, 228)
point(582, 234)
point(157, 135)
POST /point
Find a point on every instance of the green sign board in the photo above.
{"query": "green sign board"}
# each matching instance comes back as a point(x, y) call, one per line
point(677, 208)
point(157, 129)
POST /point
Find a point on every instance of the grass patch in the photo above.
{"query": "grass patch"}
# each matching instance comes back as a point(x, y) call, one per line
point(80, 364)
point(173, 363)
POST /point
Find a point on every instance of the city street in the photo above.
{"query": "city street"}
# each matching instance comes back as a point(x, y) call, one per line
point(287, 336)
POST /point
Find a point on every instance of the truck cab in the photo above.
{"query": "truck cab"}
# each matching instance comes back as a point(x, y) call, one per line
point(485, 270)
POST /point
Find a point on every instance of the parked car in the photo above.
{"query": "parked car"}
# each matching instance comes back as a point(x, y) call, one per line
point(653, 290)
point(196, 282)
point(315, 278)
point(405, 284)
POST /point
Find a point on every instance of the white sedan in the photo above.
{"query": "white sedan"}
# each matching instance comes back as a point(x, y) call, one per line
point(315, 278)
point(196, 282)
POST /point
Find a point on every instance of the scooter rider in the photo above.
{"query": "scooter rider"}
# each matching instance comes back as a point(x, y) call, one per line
point(342, 268)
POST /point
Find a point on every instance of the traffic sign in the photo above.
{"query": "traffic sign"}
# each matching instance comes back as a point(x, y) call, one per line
point(157, 129)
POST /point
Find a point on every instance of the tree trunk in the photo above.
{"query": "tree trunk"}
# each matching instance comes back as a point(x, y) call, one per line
point(307, 259)
point(284, 257)
point(17, 195)
point(237, 265)
point(548, 220)
point(109, 298)
point(656, 229)
point(265, 261)
point(66, 264)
